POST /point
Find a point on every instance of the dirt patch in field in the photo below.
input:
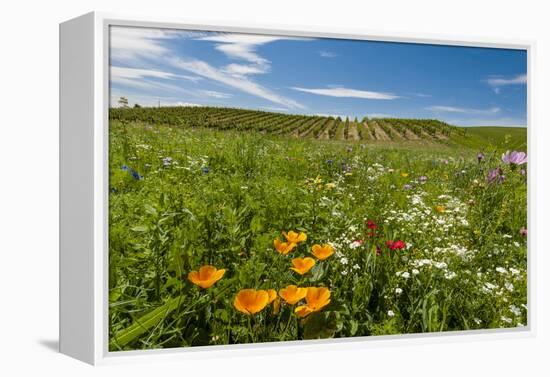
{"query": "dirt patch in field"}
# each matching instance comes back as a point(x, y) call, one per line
point(324, 134)
point(426, 136)
point(366, 131)
point(397, 135)
point(411, 135)
point(308, 131)
point(379, 133)
point(440, 136)
point(352, 132)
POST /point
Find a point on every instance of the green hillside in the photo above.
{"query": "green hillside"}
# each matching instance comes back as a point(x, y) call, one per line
point(392, 131)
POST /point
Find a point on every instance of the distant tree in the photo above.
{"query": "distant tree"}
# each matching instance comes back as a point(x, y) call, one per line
point(137, 106)
point(123, 102)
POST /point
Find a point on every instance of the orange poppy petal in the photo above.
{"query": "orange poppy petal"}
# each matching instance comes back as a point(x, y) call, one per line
point(302, 311)
point(193, 277)
point(206, 272)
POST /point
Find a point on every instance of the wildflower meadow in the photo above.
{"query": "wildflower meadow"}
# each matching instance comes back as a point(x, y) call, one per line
point(226, 228)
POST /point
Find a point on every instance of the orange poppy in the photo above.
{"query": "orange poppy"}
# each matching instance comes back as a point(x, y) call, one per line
point(322, 252)
point(206, 276)
point(283, 247)
point(273, 298)
point(302, 265)
point(295, 237)
point(271, 295)
point(251, 301)
point(292, 294)
point(316, 299)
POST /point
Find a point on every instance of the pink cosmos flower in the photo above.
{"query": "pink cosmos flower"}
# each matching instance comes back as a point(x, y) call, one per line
point(514, 158)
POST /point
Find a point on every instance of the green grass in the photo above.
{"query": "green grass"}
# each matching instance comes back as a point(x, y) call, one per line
point(501, 138)
point(190, 196)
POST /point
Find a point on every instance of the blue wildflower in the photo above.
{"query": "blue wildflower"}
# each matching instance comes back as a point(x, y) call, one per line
point(134, 173)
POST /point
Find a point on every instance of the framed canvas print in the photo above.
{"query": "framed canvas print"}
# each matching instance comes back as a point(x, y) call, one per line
point(225, 187)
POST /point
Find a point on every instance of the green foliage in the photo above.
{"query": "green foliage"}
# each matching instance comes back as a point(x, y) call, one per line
point(207, 192)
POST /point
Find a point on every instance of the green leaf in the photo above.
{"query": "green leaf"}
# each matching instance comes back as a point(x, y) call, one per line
point(150, 209)
point(317, 272)
point(321, 325)
point(143, 324)
point(354, 326)
point(140, 228)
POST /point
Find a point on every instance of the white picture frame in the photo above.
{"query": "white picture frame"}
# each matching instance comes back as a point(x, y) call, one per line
point(84, 100)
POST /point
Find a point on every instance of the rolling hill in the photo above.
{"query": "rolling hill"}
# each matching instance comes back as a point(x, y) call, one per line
point(367, 130)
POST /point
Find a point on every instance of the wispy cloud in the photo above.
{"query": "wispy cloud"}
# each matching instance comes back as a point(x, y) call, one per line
point(274, 108)
point(139, 73)
point(500, 81)
point(327, 54)
point(381, 115)
point(347, 92)
point(149, 101)
point(496, 82)
point(214, 94)
point(141, 44)
point(243, 47)
point(463, 110)
point(146, 79)
point(133, 43)
point(201, 68)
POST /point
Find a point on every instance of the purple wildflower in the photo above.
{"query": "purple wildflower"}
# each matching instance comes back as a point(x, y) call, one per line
point(495, 176)
point(523, 232)
point(514, 158)
point(422, 179)
point(407, 187)
point(480, 157)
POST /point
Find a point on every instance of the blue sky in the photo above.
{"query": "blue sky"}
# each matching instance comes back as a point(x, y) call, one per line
point(466, 86)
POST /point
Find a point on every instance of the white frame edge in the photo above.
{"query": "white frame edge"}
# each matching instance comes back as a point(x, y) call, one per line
point(84, 101)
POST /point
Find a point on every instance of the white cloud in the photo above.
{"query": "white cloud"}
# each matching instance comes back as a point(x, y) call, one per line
point(496, 82)
point(274, 108)
point(242, 70)
point(214, 94)
point(463, 110)
point(346, 92)
point(149, 101)
point(242, 46)
point(138, 73)
point(141, 79)
point(133, 42)
point(327, 54)
point(333, 115)
point(201, 68)
point(501, 81)
point(148, 45)
point(381, 115)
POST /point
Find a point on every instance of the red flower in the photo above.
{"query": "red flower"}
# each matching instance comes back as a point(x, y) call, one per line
point(393, 245)
point(371, 225)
